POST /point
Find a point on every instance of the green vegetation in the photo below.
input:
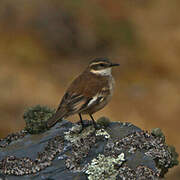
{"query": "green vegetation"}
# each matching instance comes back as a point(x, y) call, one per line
point(36, 118)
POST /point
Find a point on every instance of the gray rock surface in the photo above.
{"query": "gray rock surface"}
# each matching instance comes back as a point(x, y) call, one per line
point(62, 153)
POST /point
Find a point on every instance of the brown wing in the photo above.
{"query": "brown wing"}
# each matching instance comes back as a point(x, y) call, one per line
point(78, 96)
point(88, 84)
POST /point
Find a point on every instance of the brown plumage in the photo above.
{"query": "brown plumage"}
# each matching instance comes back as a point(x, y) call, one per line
point(87, 94)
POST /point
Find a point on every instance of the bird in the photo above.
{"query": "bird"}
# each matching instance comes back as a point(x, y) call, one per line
point(88, 93)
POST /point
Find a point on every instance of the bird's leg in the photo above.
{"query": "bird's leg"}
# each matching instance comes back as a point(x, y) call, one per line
point(81, 121)
point(94, 123)
point(83, 125)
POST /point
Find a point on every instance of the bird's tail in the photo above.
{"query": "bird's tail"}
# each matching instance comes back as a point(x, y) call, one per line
point(54, 119)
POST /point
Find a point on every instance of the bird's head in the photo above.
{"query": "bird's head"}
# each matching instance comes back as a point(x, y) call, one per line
point(101, 66)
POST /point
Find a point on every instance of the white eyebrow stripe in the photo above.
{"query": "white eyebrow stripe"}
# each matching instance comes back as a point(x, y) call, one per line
point(95, 63)
point(102, 72)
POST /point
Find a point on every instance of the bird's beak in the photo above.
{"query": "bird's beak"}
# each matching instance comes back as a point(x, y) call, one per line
point(114, 64)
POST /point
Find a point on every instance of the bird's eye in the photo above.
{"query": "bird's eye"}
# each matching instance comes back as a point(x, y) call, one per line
point(102, 65)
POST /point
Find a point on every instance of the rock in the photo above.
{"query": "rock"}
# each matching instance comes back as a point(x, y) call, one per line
point(115, 151)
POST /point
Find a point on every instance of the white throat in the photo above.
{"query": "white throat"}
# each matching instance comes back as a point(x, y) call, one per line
point(102, 72)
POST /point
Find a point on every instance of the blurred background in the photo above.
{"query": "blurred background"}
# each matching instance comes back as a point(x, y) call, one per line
point(44, 44)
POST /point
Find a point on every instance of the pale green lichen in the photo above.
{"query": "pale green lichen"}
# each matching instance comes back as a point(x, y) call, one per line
point(104, 167)
point(74, 135)
point(157, 132)
point(102, 132)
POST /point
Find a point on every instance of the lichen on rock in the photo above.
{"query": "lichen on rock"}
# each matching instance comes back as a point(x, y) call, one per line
point(105, 168)
point(158, 133)
point(12, 137)
point(73, 134)
point(102, 132)
point(80, 143)
point(25, 165)
point(164, 164)
point(66, 152)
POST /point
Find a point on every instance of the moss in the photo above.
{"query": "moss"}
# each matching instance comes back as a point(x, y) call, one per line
point(104, 167)
point(174, 155)
point(36, 118)
point(103, 122)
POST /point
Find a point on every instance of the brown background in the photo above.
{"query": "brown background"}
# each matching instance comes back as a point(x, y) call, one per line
point(44, 44)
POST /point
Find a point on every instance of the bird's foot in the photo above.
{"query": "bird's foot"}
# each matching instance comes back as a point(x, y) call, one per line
point(85, 124)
